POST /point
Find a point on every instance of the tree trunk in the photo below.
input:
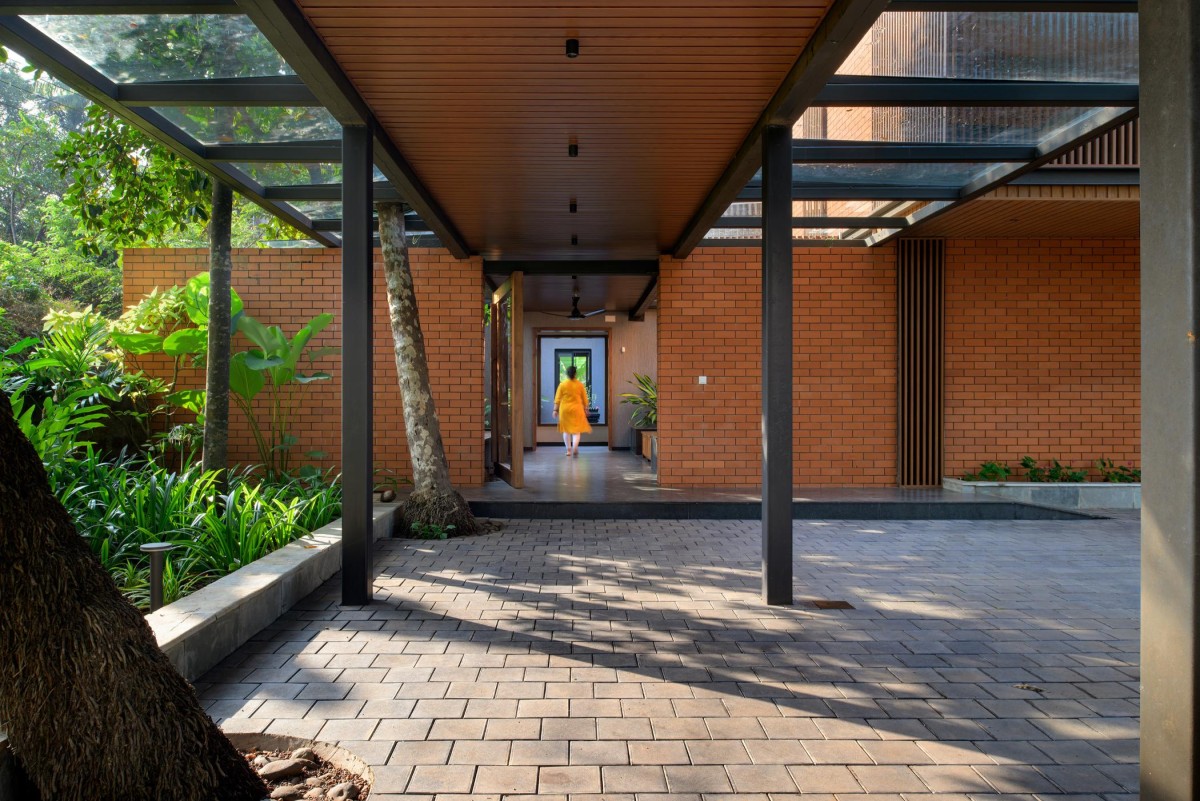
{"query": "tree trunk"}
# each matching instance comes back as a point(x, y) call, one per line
point(220, 333)
point(92, 707)
point(433, 500)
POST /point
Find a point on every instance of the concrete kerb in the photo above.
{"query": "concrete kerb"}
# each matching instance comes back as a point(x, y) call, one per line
point(1084, 495)
point(200, 630)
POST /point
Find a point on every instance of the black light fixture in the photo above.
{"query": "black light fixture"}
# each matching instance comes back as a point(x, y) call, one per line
point(574, 239)
point(572, 48)
point(574, 207)
point(573, 150)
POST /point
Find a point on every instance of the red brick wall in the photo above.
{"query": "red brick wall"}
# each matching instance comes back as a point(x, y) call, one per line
point(287, 287)
point(1042, 352)
point(845, 376)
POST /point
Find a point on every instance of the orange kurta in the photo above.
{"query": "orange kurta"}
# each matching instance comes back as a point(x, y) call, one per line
point(571, 400)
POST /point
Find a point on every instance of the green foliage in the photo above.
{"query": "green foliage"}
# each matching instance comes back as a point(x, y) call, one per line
point(125, 189)
point(644, 401)
point(990, 471)
point(1119, 474)
point(119, 505)
point(272, 366)
point(1056, 472)
point(431, 531)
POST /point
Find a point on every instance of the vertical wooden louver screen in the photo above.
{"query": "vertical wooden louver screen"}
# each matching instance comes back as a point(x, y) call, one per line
point(919, 268)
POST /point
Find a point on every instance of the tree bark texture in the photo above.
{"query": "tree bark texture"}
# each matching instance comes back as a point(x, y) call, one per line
point(93, 709)
point(433, 500)
point(220, 332)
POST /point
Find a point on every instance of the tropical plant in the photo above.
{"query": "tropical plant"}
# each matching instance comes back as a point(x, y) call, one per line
point(1119, 474)
point(1056, 472)
point(990, 471)
point(273, 366)
point(644, 401)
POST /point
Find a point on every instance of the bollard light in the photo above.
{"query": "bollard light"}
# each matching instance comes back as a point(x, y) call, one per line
point(158, 558)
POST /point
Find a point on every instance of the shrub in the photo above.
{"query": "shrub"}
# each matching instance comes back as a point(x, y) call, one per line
point(990, 471)
point(1119, 474)
point(1054, 473)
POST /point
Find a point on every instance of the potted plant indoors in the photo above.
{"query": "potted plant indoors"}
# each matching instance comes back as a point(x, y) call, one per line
point(645, 412)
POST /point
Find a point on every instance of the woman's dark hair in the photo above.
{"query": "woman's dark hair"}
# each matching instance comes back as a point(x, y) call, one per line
point(571, 371)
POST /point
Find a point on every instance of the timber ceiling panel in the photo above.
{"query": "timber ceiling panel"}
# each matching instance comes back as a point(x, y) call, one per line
point(483, 103)
point(1082, 212)
point(613, 293)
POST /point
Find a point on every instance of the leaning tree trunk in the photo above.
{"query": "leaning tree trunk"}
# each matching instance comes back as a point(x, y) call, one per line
point(92, 707)
point(433, 500)
point(220, 333)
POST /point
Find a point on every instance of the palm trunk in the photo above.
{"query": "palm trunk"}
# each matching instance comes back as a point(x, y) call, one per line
point(220, 333)
point(433, 500)
point(92, 707)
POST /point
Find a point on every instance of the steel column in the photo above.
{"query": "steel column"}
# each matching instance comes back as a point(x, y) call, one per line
point(777, 365)
point(357, 354)
point(1170, 290)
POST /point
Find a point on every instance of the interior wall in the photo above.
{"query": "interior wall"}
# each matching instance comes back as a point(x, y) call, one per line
point(632, 348)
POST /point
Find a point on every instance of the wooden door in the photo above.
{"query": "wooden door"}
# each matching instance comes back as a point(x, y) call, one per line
point(508, 408)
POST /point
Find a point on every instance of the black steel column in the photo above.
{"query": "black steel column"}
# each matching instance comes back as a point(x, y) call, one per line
point(1170, 177)
point(357, 353)
point(777, 365)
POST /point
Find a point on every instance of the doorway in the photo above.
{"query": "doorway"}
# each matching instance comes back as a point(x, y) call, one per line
point(587, 350)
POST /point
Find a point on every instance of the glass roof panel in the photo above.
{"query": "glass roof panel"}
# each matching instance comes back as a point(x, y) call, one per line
point(1000, 45)
point(253, 124)
point(754, 235)
point(833, 208)
point(888, 174)
point(318, 209)
point(165, 47)
point(1021, 125)
point(274, 173)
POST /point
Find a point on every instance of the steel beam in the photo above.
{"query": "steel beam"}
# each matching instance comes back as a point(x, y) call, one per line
point(818, 222)
point(844, 24)
point(358, 354)
point(570, 267)
point(871, 90)
point(97, 7)
point(755, 242)
point(638, 312)
point(1048, 6)
point(327, 151)
point(819, 151)
point(848, 191)
point(1170, 402)
point(382, 190)
point(282, 90)
point(1080, 176)
point(286, 28)
point(777, 366)
point(46, 54)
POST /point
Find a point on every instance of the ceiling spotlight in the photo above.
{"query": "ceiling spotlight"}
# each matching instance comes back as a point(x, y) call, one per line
point(572, 150)
point(574, 207)
point(574, 239)
point(572, 48)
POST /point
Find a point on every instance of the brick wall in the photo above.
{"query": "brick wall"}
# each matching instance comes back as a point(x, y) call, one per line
point(1042, 351)
point(845, 378)
point(287, 287)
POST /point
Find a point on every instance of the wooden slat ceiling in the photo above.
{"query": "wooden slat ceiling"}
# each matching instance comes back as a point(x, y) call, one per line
point(483, 103)
point(1066, 212)
point(613, 293)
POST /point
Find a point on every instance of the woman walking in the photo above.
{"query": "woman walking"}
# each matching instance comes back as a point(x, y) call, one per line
point(570, 407)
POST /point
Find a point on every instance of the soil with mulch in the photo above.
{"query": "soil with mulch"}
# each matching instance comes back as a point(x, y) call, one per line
point(310, 777)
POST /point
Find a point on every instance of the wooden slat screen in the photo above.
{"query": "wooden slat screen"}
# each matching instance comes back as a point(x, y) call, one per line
point(919, 304)
point(1117, 148)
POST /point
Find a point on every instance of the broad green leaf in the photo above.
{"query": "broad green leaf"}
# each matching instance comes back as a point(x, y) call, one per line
point(186, 341)
point(256, 362)
point(308, 379)
point(137, 343)
point(196, 299)
point(243, 380)
point(191, 399)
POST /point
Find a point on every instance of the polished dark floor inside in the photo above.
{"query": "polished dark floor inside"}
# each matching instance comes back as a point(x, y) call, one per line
point(600, 483)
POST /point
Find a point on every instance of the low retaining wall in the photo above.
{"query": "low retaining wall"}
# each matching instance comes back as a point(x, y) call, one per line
point(200, 630)
point(1065, 496)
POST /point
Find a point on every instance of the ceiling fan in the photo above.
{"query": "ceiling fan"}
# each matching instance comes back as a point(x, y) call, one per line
point(576, 314)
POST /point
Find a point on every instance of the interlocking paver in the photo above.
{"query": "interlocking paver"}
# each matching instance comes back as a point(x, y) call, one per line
point(621, 659)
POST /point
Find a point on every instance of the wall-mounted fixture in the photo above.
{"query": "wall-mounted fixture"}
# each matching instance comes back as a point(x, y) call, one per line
point(572, 48)
point(573, 150)
point(574, 207)
point(574, 239)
